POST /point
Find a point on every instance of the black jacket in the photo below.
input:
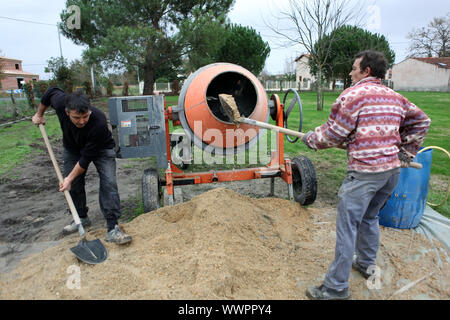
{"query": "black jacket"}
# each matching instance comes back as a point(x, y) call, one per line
point(87, 141)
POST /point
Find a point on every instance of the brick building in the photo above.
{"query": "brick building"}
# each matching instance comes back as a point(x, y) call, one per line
point(13, 77)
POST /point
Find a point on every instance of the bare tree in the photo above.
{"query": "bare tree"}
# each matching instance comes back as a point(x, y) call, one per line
point(433, 40)
point(306, 22)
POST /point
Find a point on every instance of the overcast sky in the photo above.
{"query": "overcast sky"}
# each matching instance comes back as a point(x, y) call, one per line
point(36, 43)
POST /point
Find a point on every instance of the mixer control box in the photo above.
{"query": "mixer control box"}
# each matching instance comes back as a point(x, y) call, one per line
point(138, 127)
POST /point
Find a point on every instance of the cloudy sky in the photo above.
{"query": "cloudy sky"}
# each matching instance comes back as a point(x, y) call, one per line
point(36, 42)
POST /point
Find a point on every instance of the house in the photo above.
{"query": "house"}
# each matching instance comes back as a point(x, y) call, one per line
point(13, 76)
point(303, 77)
point(422, 74)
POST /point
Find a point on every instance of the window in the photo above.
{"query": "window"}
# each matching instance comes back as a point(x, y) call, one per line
point(17, 66)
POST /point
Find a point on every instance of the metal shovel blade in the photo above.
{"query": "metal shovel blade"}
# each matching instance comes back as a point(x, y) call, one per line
point(91, 252)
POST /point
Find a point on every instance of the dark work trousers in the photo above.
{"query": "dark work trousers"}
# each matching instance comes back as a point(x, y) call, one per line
point(361, 197)
point(108, 194)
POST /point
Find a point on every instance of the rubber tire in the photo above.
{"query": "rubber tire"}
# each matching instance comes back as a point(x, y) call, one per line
point(151, 190)
point(304, 180)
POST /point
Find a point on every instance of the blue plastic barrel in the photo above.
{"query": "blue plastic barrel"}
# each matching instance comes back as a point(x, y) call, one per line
point(407, 203)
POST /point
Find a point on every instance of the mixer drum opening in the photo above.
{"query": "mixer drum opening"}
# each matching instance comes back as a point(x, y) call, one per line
point(201, 115)
point(236, 84)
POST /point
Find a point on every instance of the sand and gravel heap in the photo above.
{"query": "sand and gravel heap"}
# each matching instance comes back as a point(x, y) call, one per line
point(223, 245)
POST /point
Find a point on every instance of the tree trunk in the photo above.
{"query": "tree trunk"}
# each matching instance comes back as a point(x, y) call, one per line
point(149, 81)
point(319, 91)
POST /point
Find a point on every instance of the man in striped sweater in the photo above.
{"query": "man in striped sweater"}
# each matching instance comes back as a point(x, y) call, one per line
point(381, 131)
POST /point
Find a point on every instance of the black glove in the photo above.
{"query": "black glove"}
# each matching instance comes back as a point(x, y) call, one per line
point(305, 138)
point(404, 159)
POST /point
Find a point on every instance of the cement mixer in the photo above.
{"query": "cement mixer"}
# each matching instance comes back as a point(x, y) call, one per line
point(141, 128)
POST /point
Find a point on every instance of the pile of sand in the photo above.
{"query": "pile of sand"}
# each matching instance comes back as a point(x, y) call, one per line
point(223, 245)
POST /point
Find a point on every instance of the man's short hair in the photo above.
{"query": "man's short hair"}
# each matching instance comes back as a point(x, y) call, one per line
point(375, 60)
point(78, 101)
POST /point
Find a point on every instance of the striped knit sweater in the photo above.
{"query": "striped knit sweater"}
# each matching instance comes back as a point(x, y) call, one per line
point(373, 123)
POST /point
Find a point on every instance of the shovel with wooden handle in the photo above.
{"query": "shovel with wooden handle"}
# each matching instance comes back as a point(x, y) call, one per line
point(92, 252)
point(230, 108)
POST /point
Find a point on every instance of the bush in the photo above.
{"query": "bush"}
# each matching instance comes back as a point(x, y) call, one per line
point(125, 89)
point(28, 88)
point(176, 87)
point(109, 89)
point(40, 87)
point(88, 88)
point(68, 87)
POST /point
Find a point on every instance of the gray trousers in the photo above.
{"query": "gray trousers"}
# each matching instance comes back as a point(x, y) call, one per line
point(108, 194)
point(361, 197)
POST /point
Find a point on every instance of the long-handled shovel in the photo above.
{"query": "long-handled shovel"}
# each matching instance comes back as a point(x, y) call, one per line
point(92, 252)
point(230, 108)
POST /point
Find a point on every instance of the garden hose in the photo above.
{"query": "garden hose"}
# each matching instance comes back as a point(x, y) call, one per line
point(448, 184)
point(288, 111)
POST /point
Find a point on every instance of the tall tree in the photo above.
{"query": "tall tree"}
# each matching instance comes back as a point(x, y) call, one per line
point(81, 71)
point(139, 33)
point(433, 40)
point(245, 47)
point(344, 43)
point(307, 22)
point(60, 69)
point(208, 40)
point(202, 38)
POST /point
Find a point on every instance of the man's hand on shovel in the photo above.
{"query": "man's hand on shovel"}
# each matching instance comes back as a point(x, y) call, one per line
point(65, 185)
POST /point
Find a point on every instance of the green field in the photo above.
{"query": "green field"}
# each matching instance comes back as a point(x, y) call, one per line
point(16, 141)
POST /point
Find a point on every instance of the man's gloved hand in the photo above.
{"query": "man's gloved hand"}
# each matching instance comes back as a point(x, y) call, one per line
point(404, 159)
point(305, 138)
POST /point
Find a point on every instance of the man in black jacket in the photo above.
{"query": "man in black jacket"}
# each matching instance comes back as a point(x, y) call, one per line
point(86, 139)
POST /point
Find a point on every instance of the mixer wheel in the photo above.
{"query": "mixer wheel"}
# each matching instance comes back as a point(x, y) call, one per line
point(304, 180)
point(151, 190)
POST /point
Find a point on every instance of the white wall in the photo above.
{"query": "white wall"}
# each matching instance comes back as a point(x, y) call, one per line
point(415, 75)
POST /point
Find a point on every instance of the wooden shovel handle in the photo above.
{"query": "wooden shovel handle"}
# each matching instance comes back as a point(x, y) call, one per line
point(415, 165)
point(73, 210)
point(271, 127)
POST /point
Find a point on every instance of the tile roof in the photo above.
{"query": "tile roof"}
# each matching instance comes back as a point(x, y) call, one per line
point(439, 62)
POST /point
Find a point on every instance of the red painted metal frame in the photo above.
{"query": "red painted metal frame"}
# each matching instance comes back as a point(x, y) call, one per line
point(278, 166)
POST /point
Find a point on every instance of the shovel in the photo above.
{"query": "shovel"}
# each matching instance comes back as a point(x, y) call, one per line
point(91, 252)
point(230, 108)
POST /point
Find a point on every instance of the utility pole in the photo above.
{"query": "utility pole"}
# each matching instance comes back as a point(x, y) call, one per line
point(93, 79)
point(59, 39)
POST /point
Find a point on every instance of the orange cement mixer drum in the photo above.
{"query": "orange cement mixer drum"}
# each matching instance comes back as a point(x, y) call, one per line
point(202, 117)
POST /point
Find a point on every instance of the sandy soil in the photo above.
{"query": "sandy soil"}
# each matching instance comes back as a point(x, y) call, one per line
point(223, 245)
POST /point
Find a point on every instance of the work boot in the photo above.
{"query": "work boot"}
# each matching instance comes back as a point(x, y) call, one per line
point(117, 236)
point(362, 270)
point(72, 227)
point(323, 293)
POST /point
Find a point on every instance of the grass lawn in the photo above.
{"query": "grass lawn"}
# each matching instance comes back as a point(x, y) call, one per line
point(16, 141)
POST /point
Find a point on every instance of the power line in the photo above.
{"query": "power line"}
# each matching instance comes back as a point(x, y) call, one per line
point(22, 20)
point(42, 23)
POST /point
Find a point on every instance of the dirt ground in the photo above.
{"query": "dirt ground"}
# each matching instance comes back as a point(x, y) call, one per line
point(225, 241)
